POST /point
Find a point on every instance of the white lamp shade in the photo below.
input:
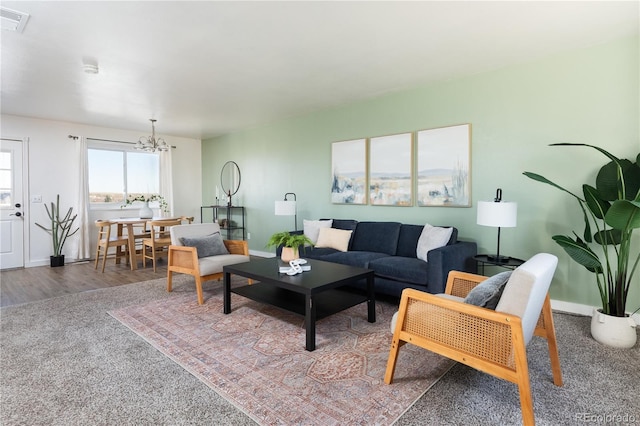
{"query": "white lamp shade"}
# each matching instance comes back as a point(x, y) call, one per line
point(501, 214)
point(285, 208)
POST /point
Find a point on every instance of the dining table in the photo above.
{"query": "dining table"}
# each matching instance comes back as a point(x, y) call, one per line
point(129, 223)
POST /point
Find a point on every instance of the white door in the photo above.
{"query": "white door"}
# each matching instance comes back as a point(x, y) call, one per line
point(11, 205)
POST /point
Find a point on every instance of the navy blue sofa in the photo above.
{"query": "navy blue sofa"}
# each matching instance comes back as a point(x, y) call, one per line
point(389, 248)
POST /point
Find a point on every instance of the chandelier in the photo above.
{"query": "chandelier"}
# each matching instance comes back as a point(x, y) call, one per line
point(150, 143)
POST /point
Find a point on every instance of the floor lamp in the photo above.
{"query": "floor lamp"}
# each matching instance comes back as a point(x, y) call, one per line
point(288, 208)
point(498, 214)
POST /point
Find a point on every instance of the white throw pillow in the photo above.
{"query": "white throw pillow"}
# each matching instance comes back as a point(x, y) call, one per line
point(312, 228)
point(432, 237)
point(334, 238)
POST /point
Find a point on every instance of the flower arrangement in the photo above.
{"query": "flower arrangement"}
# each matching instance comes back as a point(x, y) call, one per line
point(148, 198)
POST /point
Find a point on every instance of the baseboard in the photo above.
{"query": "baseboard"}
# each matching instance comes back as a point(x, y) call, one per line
point(577, 308)
point(261, 253)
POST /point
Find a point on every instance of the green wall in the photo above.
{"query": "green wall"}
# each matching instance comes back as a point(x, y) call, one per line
point(589, 96)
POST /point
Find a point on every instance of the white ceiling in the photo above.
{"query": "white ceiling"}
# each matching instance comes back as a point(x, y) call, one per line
point(207, 68)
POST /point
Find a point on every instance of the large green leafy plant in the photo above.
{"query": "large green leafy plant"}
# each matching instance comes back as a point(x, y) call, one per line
point(286, 239)
point(611, 212)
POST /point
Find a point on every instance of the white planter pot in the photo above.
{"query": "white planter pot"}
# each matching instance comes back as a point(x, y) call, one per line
point(617, 332)
point(146, 212)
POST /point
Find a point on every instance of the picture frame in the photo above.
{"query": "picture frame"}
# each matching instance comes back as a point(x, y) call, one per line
point(443, 170)
point(349, 172)
point(391, 170)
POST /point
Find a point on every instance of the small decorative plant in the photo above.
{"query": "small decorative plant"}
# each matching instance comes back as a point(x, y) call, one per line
point(60, 228)
point(148, 198)
point(286, 239)
point(613, 208)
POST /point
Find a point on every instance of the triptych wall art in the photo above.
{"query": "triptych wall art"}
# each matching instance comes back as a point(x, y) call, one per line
point(432, 167)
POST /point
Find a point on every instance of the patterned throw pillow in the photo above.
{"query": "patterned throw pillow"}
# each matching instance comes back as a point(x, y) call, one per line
point(209, 245)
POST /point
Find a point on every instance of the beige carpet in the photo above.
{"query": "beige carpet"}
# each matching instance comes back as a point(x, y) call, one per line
point(255, 358)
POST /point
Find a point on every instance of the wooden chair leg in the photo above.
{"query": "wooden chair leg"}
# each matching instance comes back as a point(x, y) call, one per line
point(391, 361)
point(154, 256)
point(550, 332)
point(97, 257)
point(522, 378)
point(169, 281)
point(199, 290)
point(104, 257)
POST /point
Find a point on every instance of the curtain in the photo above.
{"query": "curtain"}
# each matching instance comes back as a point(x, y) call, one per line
point(166, 179)
point(83, 247)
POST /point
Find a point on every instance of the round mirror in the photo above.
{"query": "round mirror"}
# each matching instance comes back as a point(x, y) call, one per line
point(230, 178)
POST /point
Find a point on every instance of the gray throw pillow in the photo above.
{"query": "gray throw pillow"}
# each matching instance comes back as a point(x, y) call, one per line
point(488, 292)
point(209, 245)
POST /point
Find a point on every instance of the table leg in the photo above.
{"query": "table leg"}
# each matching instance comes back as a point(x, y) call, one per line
point(132, 247)
point(310, 322)
point(371, 299)
point(118, 249)
point(227, 293)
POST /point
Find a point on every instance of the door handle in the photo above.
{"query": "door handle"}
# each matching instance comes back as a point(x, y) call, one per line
point(18, 214)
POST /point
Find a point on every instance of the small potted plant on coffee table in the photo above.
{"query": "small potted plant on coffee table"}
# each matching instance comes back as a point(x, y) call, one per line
point(290, 244)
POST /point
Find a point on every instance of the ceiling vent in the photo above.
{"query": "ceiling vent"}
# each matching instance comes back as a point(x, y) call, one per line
point(12, 20)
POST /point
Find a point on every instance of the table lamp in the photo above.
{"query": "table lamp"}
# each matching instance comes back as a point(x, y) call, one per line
point(287, 208)
point(499, 214)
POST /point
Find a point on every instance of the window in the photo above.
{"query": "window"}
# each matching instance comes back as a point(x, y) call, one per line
point(115, 174)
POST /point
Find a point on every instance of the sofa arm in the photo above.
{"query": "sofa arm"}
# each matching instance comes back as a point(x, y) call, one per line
point(454, 257)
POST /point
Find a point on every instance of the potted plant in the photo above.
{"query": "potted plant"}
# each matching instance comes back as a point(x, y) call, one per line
point(290, 244)
point(60, 230)
point(611, 212)
point(145, 211)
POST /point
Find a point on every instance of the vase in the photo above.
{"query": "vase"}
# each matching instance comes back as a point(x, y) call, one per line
point(145, 211)
point(56, 261)
point(289, 253)
point(617, 332)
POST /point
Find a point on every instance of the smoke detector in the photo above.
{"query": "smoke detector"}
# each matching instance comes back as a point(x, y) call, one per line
point(12, 20)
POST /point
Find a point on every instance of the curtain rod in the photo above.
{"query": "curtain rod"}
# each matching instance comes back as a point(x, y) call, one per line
point(108, 140)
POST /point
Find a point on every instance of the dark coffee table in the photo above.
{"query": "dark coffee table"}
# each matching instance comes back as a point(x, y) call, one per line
point(314, 294)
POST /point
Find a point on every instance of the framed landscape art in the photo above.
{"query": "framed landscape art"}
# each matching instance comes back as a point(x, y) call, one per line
point(390, 170)
point(349, 172)
point(444, 166)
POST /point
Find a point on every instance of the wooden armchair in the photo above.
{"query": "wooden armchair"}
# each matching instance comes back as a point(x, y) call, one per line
point(185, 260)
point(490, 341)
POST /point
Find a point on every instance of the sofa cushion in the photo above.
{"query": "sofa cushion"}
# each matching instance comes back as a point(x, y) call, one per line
point(400, 268)
point(409, 236)
point(312, 228)
point(361, 259)
point(207, 245)
point(381, 237)
point(487, 293)
point(334, 238)
point(432, 237)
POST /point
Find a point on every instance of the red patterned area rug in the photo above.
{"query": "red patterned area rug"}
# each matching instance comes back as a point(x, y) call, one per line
point(255, 358)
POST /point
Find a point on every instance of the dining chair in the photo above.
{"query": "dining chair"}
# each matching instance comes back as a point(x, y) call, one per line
point(490, 341)
point(106, 241)
point(157, 244)
point(188, 219)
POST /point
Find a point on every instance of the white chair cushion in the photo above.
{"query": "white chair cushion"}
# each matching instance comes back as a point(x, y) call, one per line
point(526, 290)
point(191, 231)
point(213, 264)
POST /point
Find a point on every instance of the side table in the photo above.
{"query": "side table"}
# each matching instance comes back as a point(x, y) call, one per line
point(511, 263)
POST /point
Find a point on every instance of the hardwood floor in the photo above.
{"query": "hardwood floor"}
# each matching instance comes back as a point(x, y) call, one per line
point(25, 285)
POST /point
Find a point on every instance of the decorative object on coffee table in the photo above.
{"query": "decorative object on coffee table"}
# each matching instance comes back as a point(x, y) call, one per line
point(290, 244)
